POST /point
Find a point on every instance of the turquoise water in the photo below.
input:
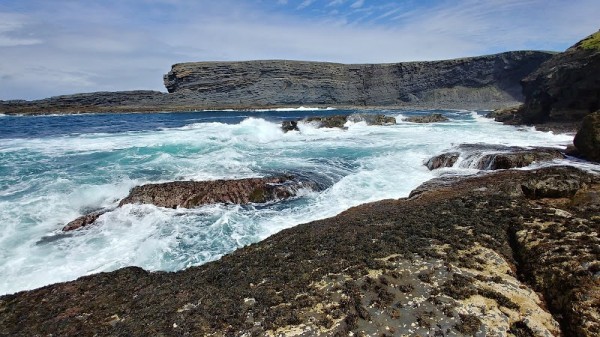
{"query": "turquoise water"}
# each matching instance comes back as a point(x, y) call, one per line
point(56, 168)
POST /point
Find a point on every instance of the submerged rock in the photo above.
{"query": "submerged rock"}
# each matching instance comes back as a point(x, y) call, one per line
point(339, 121)
point(83, 220)
point(587, 139)
point(189, 194)
point(432, 118)
point(493, 157)
point(462, 257)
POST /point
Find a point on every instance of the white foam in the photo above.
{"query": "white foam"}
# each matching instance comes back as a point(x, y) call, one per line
point(55, 180)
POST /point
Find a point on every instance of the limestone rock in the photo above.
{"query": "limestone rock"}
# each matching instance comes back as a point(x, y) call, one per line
point(467, 256)
point(587, 139)
point(432, 118)
point(189, 194)
point(493, 157)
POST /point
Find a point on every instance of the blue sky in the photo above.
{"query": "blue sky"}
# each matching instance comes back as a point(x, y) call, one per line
point(66, 46)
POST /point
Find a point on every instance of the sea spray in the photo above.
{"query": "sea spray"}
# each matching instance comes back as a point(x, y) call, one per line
point(53, 169)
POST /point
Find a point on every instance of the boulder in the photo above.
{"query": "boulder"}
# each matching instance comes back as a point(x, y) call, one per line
point(432, 118)
point(587, 139)
point(442, 160)
point(83, 220)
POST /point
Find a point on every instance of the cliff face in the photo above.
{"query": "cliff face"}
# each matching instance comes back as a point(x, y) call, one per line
point(566, 87)
point(477, 81)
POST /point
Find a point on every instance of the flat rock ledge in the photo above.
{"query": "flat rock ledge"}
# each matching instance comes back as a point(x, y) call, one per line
point(189, 194)
point(492, 157)
point(507, 253)
point(432, 118)
point(339, 121)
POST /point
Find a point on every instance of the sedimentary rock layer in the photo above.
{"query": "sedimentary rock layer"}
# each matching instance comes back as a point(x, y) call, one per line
point(477, 82)
point(468, 81)
point(461, 257)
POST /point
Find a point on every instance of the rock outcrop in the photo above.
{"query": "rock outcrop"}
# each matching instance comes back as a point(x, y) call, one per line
point(189, 194)
point(587, 139)
point(465, 82)
point(476, 82)
point(563, 90)
point(339, 121)
point(483, 255)
point(432, 118)
point(493, 157)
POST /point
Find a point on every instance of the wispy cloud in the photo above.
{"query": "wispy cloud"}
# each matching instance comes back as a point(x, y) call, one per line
point(305, 4)
point(60, 47)
point(358, 4)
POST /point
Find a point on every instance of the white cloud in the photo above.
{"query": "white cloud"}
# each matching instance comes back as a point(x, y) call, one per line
point(11, 26)
point(358, 4)
point(305, 4)
point(67, 47)
point(335, 3)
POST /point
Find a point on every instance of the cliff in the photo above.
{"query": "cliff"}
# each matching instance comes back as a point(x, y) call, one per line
point(564, 89)
point(479, 82)
point(485, 80)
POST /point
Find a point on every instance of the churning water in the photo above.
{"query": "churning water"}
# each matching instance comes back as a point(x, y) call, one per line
point(56, 168)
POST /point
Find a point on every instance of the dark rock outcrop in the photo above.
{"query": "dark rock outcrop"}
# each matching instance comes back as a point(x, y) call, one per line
point(339, 121)
point(476, 82)
point(443, 160)
point(432, 118)
point(587, 139)
point(563, 90)
point(84, 220)
point(189, 194)
point(493, 157)
point(442, 262)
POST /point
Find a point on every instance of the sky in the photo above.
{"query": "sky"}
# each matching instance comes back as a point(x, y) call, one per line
point(58, 47)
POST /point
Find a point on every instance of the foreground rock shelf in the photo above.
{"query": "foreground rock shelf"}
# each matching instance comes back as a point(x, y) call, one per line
point(506, 253)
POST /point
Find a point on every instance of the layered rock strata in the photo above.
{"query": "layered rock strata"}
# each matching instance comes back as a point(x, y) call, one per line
point(476, 82)
point(485, 255)
point(492, 157)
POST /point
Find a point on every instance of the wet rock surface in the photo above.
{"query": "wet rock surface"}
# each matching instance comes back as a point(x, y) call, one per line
point(339, 121)
point(189, 194)
point(493, 157)
point(461, 256)
point(587, 139)
point(433, 118)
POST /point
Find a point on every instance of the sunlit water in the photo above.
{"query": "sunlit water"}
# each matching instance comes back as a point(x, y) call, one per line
point(56, 168)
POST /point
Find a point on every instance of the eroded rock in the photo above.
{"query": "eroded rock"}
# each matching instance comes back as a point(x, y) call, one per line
point(587, 139)
point(432, 118)
point(450, 260)
point(189, 194)
point(339, 121)
point(493, 157)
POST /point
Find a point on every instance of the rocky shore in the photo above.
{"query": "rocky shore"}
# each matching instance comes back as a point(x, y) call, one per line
point(507, 253)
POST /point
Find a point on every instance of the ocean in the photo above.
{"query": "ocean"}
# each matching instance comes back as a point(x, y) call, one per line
point(58, 167)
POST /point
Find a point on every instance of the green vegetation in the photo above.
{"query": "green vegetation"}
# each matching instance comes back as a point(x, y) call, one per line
point(591, 42)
